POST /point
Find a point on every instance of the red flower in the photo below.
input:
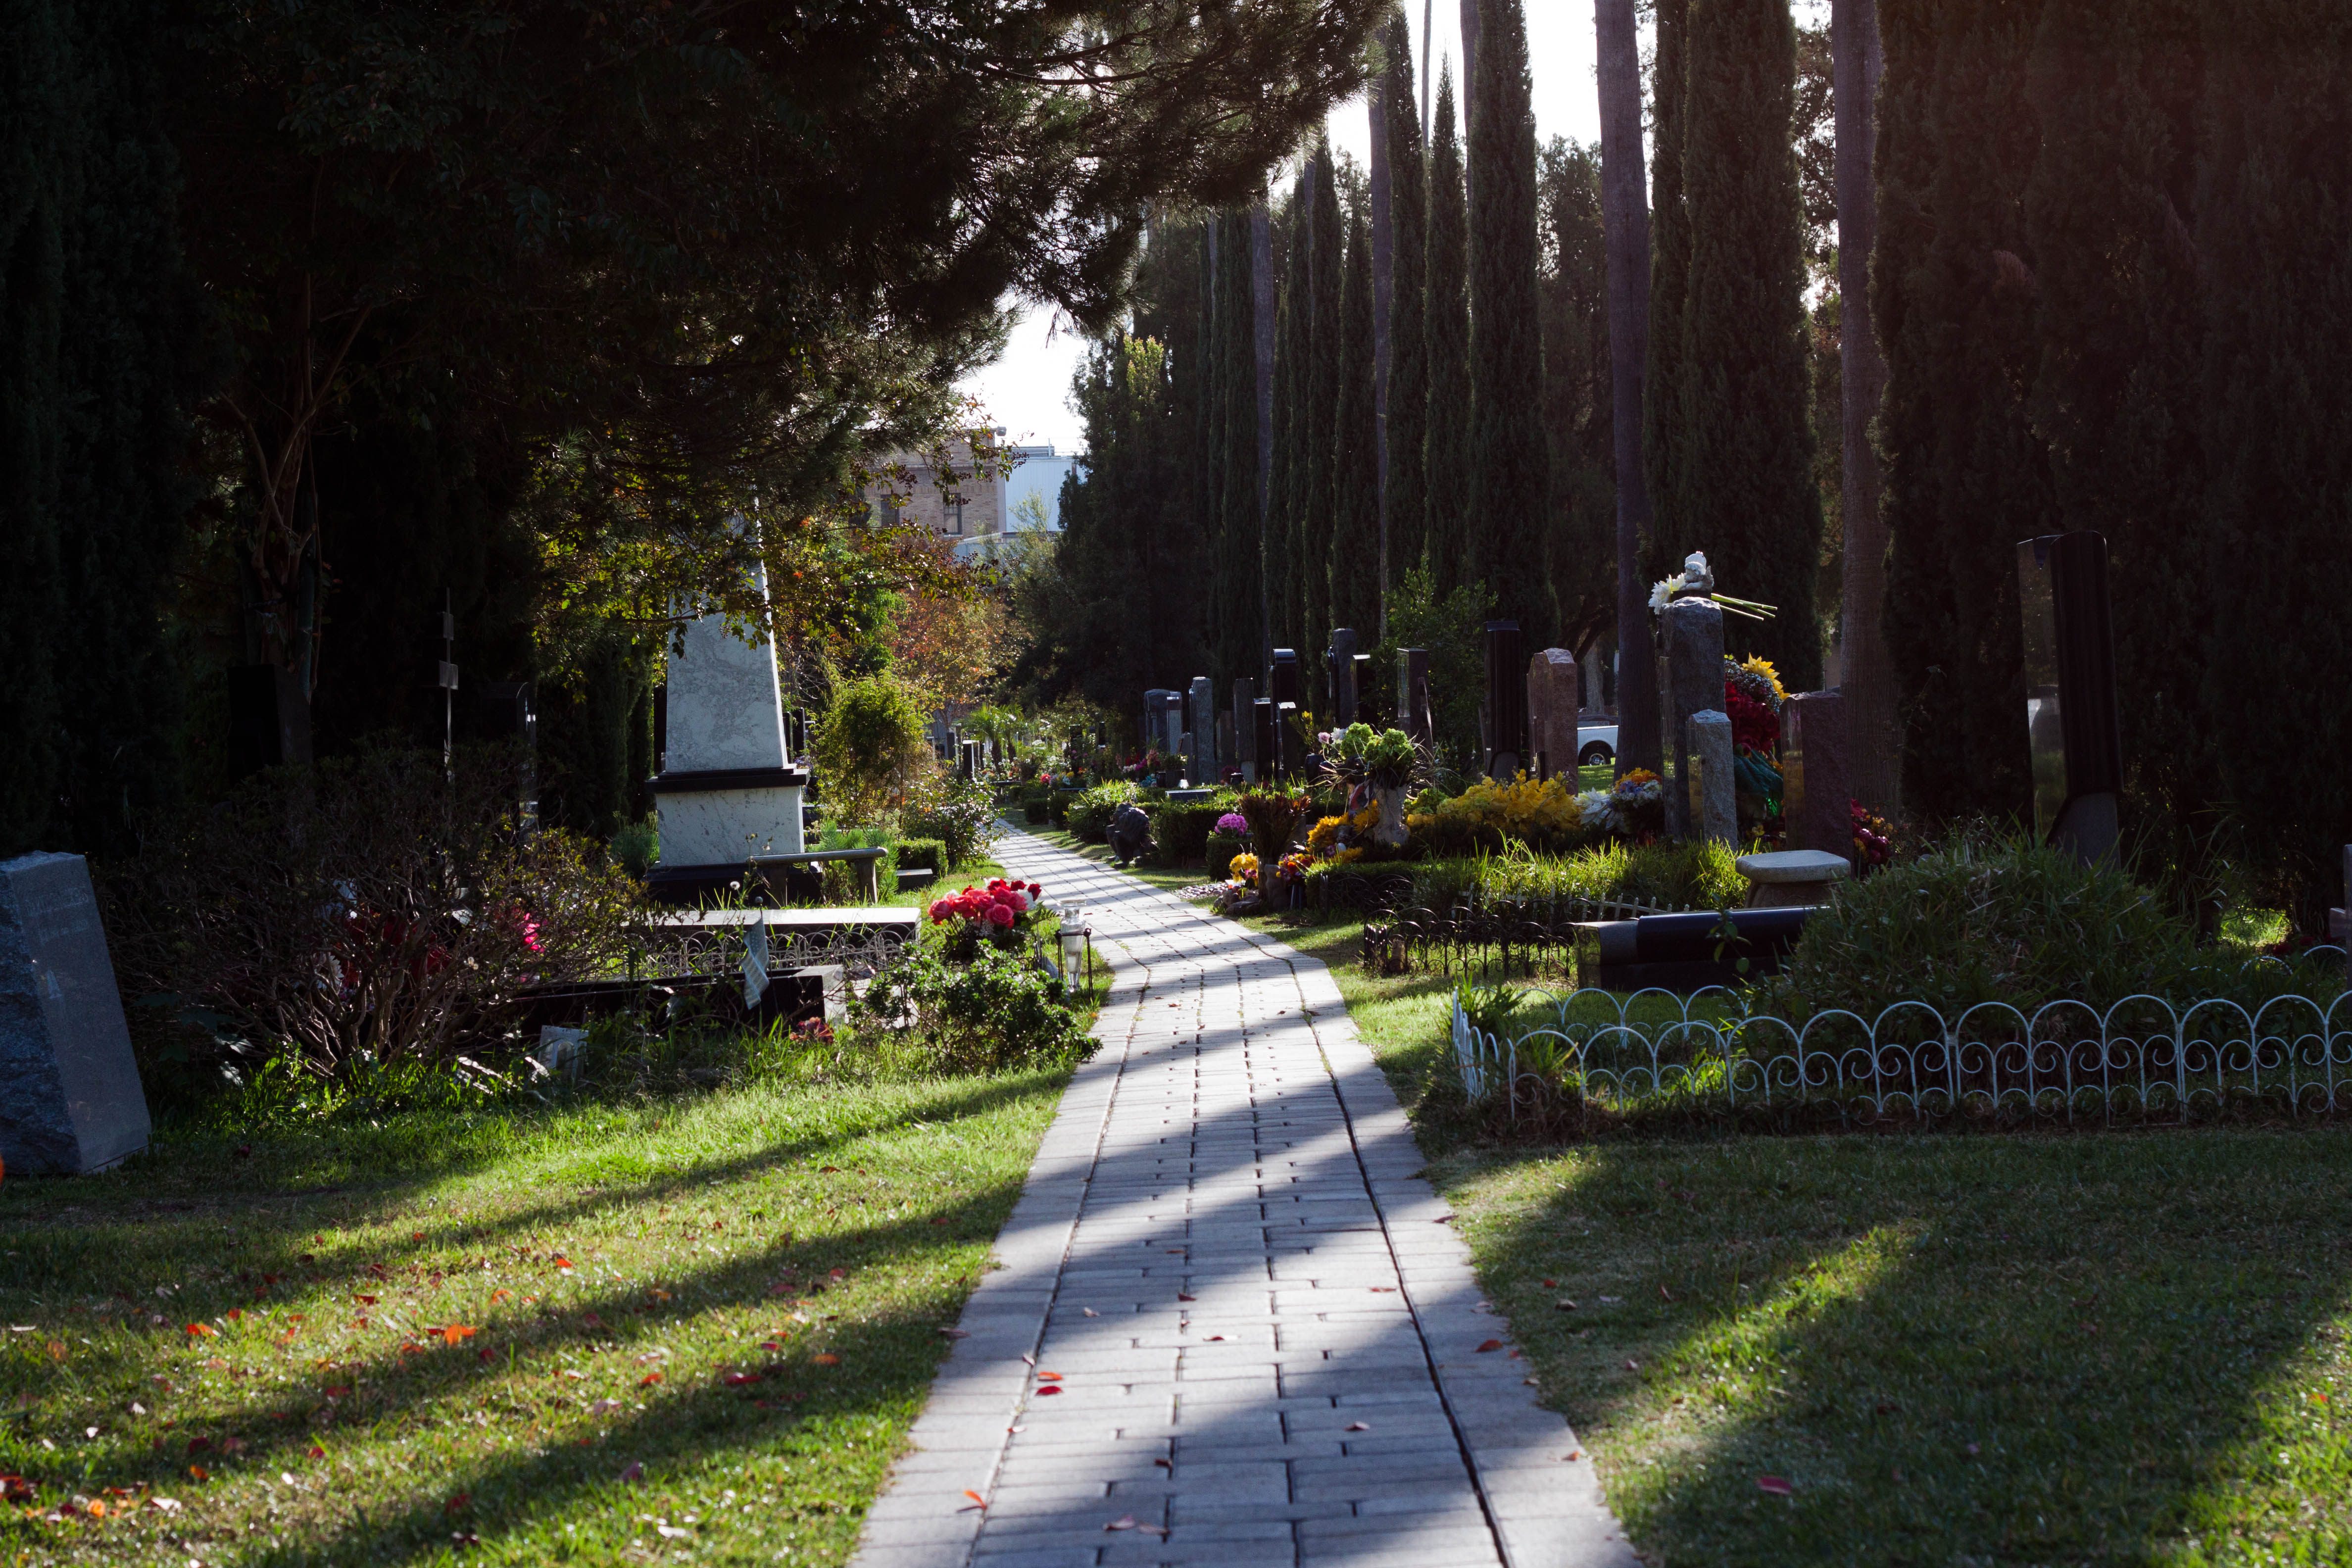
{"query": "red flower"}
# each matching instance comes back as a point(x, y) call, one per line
point(998, 915)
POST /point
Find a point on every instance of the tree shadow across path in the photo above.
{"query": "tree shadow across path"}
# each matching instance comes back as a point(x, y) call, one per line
point(2116, 1348)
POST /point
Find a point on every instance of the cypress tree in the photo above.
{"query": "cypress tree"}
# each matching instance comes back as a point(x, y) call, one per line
point(2274, 231)
point(1965, 478)
point(1509, 484)
point(1294, 331)
point(1670, 259)
point(1579, 408)
point(1748, 497)
point(1447, 334)
point(1408, 401)
point(1239, 549)
point(1317, 520)
point(1205, 436)
point(1354, 561)
point(2120, 326)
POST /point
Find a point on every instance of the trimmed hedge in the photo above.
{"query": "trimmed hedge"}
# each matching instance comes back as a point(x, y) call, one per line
point(1180, 832)
point(1036, 807)
point(926, 854)
point(1089, 814)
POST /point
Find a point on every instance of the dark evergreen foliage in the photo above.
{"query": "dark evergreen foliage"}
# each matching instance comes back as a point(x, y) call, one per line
point(1446, 446)
point(1235, 568)
point(1355, 554)
point(1408, 401)
point(1746, 493)
point(1293, 349)
point(1670, 257)
point(1319, 518)
point(1581, 524)
point(1511, 483)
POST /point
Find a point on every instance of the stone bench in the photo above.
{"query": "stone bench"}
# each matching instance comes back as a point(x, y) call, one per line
point(1793, 878)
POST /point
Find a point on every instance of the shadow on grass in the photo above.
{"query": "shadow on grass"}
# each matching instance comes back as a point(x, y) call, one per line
point(1954, 1349)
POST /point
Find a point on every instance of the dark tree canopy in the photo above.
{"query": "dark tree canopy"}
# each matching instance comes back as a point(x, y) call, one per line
point(1446, 466)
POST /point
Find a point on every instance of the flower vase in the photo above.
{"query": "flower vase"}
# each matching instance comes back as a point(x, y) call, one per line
point(1391, 828)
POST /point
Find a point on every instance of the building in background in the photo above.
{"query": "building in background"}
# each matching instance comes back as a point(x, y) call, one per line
point(973, 509)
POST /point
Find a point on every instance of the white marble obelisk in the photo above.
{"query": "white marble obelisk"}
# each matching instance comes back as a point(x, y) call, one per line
point(728, 789)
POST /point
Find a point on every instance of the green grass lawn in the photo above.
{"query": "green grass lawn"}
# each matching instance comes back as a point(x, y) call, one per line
point(608, 1333)
point(1962, 1348)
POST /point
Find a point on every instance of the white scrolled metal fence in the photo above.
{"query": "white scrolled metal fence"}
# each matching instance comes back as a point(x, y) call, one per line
point(1656, 1051)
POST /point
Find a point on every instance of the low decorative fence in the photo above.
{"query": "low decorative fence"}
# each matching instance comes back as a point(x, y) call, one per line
point(1600, 1055)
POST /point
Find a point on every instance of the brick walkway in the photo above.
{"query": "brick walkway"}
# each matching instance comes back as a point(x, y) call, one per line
point(1266, 1334)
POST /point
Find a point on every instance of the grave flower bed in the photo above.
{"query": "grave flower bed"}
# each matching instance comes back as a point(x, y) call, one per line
point(1002, 914)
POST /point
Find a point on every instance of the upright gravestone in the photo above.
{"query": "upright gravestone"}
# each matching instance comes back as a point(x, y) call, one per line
point(1692, 651)
point(1714, 789)
point(1283, 683)
point(1202, 703)
point(1552, 680)
point(69, 1094)
point(728, 790)
point(1816, 791)
point(1363, 687)
point(1412, 695)
point(2071, 719)
point(1340, 665)
point(1244, 723)
point(1266, 739)
point(1163, 724)
point(1507, 701)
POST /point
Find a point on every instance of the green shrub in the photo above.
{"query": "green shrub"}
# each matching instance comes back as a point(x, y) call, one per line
point(1221, 847)
point(1090, 812)
point(1661, 876)
point(990, 1015)
point(923, 854)
point(2005, 920)
point(870, 751)
point(1179, 829)
point(956, 812)
point(1038, 807)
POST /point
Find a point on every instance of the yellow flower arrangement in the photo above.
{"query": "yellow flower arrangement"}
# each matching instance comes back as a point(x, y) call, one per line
point(1243, 868)
point(1366, 820)
point(1763, 667)
point(1324, 836)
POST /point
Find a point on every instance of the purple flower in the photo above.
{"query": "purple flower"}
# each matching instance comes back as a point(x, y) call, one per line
point(1235, 823)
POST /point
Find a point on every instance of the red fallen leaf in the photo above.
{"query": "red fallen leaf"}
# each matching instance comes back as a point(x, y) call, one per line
point(487, 1353)
point(826, 1358)
point(1049, 1377)
point(1489, 1345)
point(499, 1295)
point(976, 1501)
point(1384, 1289)
point(838, 1274)
point(379, 1270)
point(1551, 1284)
point(941, 1220)
point(202, 1330)
point(453, 1334)
point(235, 1314)
point(417, 1235)
point(564, 1263)
point(198, 1444)
point(459, 1503)
point(16, 1488)
point(232, 1445)
point(337, 1390)
point(1215, 1339)
point(364, 1300)
point(198, 1473)
point(738, 1379)
point(1165, 1464)
point(1182, 1296)
point(591, 1320)
point(827, 1170)
point(317, 1452)
point(1777, 1485)
point(1049, 1388)
point(649, 1380)
point(633, 1472)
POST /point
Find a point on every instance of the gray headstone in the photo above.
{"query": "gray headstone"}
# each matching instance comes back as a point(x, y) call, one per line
point(1552, 678)
point(728, 788)
point(69, 1094)
point(1714, 787)
point(1816, 787)
point(1693, 655)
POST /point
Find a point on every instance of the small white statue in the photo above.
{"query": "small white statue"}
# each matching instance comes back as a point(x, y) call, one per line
point(1696, 578)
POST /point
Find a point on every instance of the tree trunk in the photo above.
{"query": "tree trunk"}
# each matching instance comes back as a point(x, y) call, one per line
point(1383, 287)
point(1873, 721)
point(1625, 217)
point(1262, 347)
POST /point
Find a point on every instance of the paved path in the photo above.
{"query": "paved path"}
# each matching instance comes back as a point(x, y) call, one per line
point(1266, 1335)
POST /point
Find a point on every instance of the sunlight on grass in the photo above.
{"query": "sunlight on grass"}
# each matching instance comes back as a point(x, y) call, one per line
point(606, 1334)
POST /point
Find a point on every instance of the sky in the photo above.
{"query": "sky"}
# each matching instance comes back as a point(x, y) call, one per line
point(1027, 390)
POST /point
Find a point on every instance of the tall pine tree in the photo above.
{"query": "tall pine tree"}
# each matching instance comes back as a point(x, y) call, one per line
point(1354, 558)
point(1234, 567)
point(1287, 497)
point(1325, 269)
point(1408, 402)
point(2276, 233)
point(1747, 493)
point(1511, 484)
point(1670, 257)
point(1447, 332)
point(1578, 410)
point(1965, 478)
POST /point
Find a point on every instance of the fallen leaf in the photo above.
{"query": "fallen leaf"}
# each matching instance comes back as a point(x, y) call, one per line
point(317, 1452)
point(1165, 1464)
point(633, 1472)
point(1664, 1294)
point(487, 1353)
point(1384, 1289)
point(1777, 1485)
point(1551, 1284)
point(499, 1295)
point(1049, 1377)
point(1180, 1296)
point(1049, 1388)
point(1359, 1427)
point(16, 1488)
point(1489, 1345)
point(826, 1358)
point(1633, 1366)
point(198, 1444)
point(738, 1379)
point(1090, 1312)
point(202, 1330)
point(337, 1390)
point(649, 1380)
point(459, 1504)
point(165, 1504)
point(591, 1320)
point(1124, 1522)
point(198, 1473)
point(453, 1334)
point(975, 1497)
point(827, 1170)
point(1576, 1454)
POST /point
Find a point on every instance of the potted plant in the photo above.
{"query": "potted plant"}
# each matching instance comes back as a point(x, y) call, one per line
point(1383, 765)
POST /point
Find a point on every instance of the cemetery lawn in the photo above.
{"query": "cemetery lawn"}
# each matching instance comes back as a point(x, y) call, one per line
point(603, 1333)
point(2127, 1346)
